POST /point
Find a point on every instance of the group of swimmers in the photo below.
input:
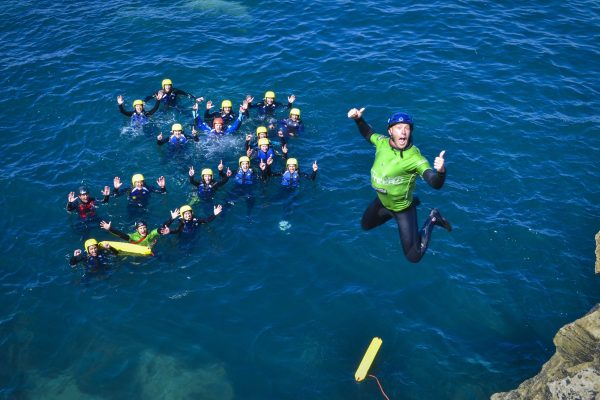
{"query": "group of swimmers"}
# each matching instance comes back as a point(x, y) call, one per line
point(213, 124)
point(396, 166)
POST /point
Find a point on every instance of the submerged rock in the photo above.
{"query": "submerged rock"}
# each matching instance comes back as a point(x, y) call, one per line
point(573, 372)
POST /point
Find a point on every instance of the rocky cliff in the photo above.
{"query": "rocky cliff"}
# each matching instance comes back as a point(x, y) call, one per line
point(573, 372)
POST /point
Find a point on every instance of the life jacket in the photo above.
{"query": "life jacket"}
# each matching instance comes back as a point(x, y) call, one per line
point(139, 195)
point(189, 226)
point(266, 109)
point(181, 140)
point(169, 98)
point(86, 210)
point(291, 126)
point(138, 119)
point(95, 264)
point(243, 178)
point(263, 156)
point(290, 179)
point(205, 190)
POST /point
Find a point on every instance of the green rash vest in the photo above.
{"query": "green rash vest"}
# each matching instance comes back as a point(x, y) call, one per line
point(149, 240)
point(393, 176)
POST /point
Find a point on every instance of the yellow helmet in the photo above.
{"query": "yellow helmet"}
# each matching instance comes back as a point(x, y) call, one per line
point(177, 127)
point(226, 103)
point(138, 102)
point(291, 161)
point(166, 82)
point(136, 177)
point(263, 141)
point(207, 171)
point(183, 209)
point(295, 111)
point(242, 159)
point(90, 242)
point(261, 129)
point(270, 94)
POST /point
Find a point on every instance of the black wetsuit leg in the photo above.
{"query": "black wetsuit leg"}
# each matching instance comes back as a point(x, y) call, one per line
point(414, 243)
point(375, 215)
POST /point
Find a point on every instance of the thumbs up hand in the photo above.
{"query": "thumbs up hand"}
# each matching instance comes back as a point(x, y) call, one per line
point(438, 164)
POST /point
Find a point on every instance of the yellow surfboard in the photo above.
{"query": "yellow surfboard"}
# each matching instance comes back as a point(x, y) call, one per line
point(367, 360)
point(129, 248)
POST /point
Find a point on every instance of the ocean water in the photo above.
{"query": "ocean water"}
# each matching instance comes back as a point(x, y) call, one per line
point(280, 301)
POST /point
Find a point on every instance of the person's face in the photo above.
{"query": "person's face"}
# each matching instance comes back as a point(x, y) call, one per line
point(227, 110)
point(139, 108)
point(139, 184)
point(206, 178)
point(92, 250)
point(187, 215)
point(294, 117)
point(142, 230)
point(264, 147)
point(176, 133)
point(84, 197)
point(399, 135)
point(292, 168)
point(218, 127)
point(167, 88)
point(262, 135)
point(245, 165)
point(269, 100)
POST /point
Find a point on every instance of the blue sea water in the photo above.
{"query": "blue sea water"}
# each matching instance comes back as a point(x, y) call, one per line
point(281, 304)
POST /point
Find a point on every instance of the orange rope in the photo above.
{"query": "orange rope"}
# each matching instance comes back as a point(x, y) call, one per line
point(380, 387)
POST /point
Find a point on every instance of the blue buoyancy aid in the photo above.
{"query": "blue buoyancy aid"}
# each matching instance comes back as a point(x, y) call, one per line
point(243, 178)
point(175, 140)
point(263, 156)
point(138, 119)
point(205, 190)
point(169, 98)
point(290, 179)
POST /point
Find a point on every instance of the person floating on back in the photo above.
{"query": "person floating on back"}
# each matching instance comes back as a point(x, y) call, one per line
point(393, 174)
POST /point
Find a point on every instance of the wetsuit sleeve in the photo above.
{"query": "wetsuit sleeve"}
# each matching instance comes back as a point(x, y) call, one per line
point(365, 129)
point(201, 124)
point(176, 230)
point(110, 250)
point(105, 198)
point(163, 140)
point(194, 181)
point(434, 178)
point(195, 138)
point(77, 259)
point(72, 205)
point(120, 192)
point(150, 97)
point(153, 109)
point(120, 234)
point(210, 115)
point(224, 179)
point(125, 112)
point(246, 145)
point(210, 218)
point(183, 93)
point(157, 189)
point(236, 124)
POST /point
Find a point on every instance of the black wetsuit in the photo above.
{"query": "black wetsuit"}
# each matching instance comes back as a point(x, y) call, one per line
point(170, 98)
point(207, 191)
point(189, 226)
point(266, 109)
point(228, 118)
point(139, 196)
point(414, 242)
point(93, 264)
point(144, 112)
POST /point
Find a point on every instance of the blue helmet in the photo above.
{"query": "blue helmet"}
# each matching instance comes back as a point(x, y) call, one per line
point(400, 118)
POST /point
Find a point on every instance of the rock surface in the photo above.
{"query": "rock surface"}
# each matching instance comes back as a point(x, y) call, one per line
point(573, 372)
point(598, 253)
